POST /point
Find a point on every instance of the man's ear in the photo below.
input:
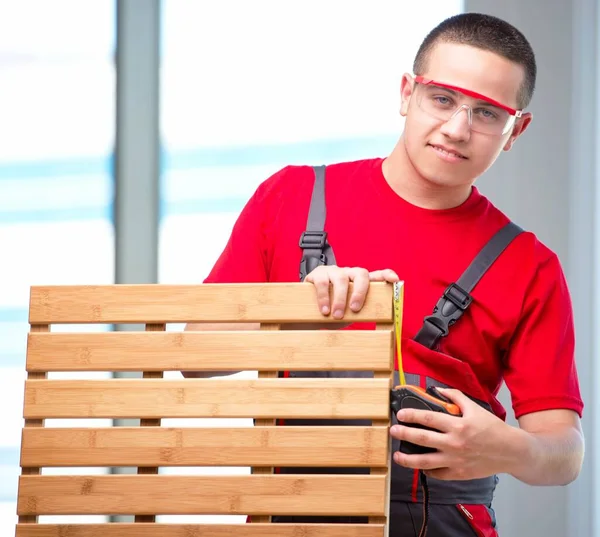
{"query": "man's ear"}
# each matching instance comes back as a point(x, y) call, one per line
point(521, 124)
point(406, 90)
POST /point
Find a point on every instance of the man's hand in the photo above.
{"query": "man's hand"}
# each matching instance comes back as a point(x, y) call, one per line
point(324, 276)
point(547, 448)
point(469, 447)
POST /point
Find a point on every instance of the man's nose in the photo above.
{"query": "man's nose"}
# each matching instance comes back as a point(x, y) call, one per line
point(458, 127)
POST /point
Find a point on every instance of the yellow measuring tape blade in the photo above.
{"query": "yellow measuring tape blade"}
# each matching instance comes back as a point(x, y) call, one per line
point(398, 304)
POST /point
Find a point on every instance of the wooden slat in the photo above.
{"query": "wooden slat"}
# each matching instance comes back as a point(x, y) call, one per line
point(385, 471)
point(344, 495)
point(152, 470)
point(244, 446)
point(154, 398)
point(223, 398)
point(395, 323)
point(197, 530)
point(265, 470)
point(34, 423)
point(305, 350)
point(161, 303)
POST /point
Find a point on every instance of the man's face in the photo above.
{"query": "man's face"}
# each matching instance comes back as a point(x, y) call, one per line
point(451, 148)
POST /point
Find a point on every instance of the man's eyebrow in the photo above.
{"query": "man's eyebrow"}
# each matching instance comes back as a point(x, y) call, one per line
point(456, 93)
point(442, 88)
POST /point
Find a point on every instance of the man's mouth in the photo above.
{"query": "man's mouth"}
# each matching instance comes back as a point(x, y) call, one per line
point(446, 151)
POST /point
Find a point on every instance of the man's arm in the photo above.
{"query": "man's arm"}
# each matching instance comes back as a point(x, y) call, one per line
point(549, 448)
point(546, 449)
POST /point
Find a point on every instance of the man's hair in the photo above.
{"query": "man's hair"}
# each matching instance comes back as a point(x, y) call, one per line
point(487, 33)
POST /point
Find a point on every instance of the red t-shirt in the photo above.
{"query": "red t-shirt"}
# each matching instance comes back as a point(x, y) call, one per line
point(519, 327)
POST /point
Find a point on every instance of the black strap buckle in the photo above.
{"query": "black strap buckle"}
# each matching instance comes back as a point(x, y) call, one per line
point(447, 311)
point(313, 240)
point(442, 324)
point(458, 296)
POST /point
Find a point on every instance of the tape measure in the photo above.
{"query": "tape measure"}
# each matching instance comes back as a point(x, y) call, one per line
point(398, 301)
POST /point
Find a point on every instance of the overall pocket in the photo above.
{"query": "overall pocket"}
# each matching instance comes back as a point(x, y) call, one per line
point(443, 368)
point(480, 518)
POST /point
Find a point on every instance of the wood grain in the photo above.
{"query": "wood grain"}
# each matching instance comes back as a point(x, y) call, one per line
point(296, 446)
point(199, 530)
point(152, 470)
point(344, 495)
point(306, 350)
point(34, 424)
point(260, 303)
point(223, 398)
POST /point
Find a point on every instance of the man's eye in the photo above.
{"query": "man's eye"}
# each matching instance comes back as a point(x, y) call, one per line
point(487, 114)
point(444, 101)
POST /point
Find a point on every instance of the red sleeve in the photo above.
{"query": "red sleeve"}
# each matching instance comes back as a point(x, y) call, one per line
point(541, 373)
point(245, 258)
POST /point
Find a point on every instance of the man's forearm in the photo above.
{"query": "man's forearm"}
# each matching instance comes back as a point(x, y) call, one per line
point(546, 458)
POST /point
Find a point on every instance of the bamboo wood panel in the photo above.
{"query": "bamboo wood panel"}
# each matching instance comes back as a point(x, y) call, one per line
point(344, 495)
point(33, 423)
point(162, 303)
point(150, 422)
point(199, 530)
point(206, 398)
point(345, 350)
point(245, 446)
point(263, 519)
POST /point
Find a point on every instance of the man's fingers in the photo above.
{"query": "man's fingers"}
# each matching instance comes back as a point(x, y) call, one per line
point(386, 275)
point(427, 461)
point(339, 280)
point(320, 279)
point(419, 436)
point(360, 279)
point(434, 420)
point(324, 277)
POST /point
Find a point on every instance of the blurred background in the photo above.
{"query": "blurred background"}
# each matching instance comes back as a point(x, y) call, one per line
point(133, 131)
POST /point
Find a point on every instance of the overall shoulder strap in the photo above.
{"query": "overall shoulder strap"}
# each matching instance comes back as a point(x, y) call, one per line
point(456, 298)
point(316, 249)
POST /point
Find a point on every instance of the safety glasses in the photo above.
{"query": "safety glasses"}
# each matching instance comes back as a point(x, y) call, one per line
point(444, 101)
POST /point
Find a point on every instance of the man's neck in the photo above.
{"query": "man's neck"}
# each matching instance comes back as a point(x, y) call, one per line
point(406, 181)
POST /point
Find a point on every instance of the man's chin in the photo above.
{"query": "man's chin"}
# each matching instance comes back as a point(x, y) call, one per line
point(445, 179)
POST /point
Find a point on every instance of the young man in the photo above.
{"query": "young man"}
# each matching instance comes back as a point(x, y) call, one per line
point(416, 215)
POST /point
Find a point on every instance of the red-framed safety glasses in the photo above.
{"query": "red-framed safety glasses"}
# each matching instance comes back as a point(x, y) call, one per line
point(487, 115)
